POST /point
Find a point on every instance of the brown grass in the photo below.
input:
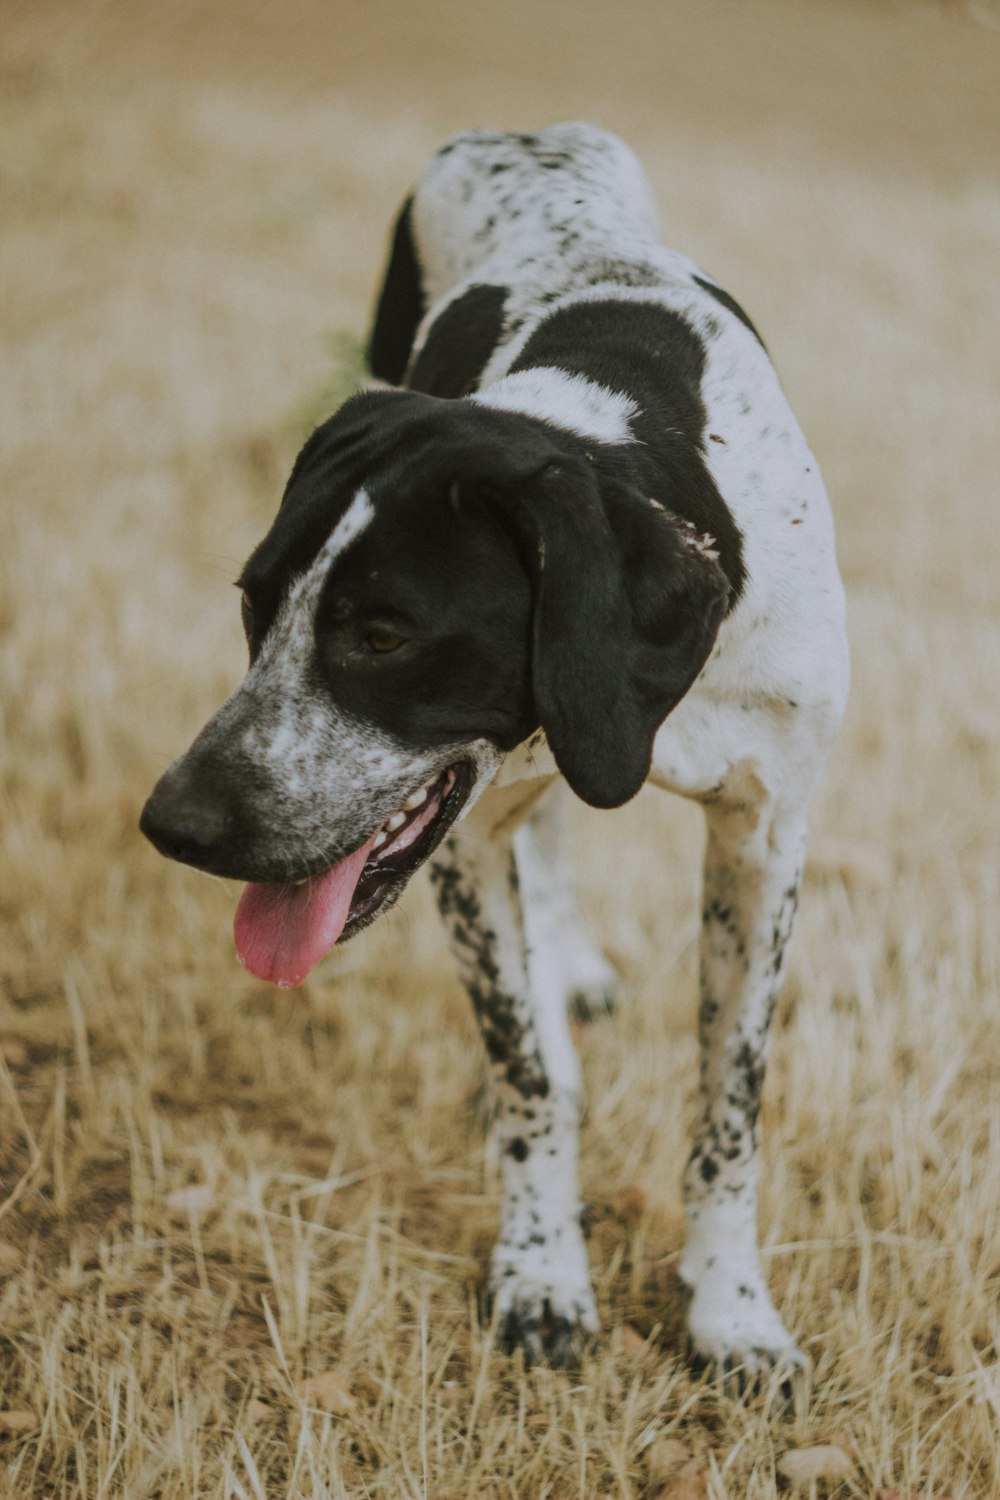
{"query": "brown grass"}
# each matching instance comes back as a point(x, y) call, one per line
point(214, 1192)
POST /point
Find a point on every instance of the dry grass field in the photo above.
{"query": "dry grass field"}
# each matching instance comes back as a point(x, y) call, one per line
point(242, 1232)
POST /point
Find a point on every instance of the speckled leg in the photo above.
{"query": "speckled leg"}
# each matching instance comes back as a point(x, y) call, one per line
point(753, 864)
point(539, 1276)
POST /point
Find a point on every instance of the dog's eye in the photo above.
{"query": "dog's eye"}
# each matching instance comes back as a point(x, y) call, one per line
point(384, 641)
point(246, 611)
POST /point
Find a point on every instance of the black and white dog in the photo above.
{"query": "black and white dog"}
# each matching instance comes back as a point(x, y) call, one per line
point(586, 541)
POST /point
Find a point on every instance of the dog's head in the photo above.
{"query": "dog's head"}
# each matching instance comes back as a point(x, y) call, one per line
point(441, 580)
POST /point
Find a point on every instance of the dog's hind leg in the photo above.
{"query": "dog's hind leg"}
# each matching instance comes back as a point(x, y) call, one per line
point(539, 1276)
point(558, 937)
point(753, 864)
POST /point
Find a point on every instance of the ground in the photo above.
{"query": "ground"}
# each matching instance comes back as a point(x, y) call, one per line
point(243, 1233)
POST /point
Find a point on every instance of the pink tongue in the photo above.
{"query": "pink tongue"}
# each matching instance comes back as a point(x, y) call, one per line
point(281, 931)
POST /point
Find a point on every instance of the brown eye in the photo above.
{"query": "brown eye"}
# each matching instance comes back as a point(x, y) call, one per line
point(246, 610)
point(384, 641)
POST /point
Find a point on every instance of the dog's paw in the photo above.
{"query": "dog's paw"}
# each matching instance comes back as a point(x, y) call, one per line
point(589, 1003)
point(547, 1333)
point(736, 1335)
point(780, 1373)
point(592, 986)
point(547, 1321)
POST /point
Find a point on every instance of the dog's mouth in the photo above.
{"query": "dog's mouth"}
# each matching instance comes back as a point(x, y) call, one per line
point(283, 929)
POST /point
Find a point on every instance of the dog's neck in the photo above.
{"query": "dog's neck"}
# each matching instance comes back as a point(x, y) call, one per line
point(581, 406)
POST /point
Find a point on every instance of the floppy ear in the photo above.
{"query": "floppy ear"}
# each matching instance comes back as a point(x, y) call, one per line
point(401, 304)
point(628, 602)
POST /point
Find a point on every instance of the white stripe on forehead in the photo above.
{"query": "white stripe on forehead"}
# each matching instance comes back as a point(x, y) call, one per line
point(291, 635)
point(352, 523)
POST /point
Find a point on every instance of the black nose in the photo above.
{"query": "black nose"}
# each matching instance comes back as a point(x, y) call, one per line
point(186, 819)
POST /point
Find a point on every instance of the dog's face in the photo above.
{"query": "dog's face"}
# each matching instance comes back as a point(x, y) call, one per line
point(441, 579)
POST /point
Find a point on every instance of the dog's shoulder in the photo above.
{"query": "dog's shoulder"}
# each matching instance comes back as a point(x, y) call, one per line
point(498, 227)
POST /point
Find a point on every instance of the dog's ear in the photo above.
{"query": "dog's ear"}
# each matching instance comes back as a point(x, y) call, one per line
point(628, 602)
point(401, 304)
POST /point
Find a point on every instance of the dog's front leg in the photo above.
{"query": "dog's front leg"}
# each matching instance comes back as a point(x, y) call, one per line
point(539, 1276)
point(753, 863)
point(558, 937)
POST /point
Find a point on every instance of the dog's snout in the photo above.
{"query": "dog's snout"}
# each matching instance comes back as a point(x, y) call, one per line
point(186, 820)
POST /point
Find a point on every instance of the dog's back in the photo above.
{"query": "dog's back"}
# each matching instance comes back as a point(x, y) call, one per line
point(531, 209)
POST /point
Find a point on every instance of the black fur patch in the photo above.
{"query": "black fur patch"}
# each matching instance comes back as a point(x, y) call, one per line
point(459, 343)
point(655, 357)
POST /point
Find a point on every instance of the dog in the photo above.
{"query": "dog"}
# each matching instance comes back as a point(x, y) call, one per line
point(573, 537)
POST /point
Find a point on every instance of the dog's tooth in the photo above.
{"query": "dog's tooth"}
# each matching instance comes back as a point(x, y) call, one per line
point(415, 798)
point(396, 821)
point(379, 839)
